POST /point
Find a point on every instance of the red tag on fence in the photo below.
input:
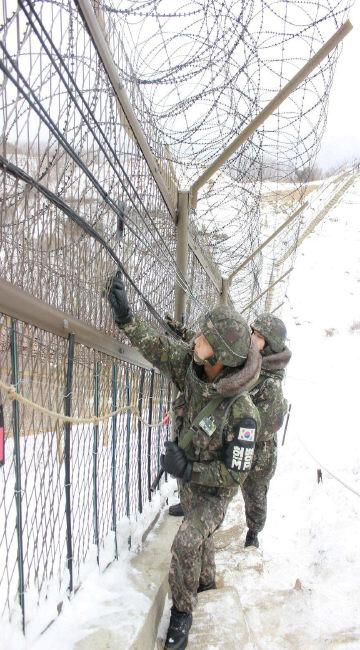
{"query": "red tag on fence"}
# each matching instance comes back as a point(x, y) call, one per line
point(2, 437)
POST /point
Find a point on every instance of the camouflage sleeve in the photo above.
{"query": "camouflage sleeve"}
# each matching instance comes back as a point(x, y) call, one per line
point(189, 335)
point(272, 407)
point(169, 356)
point(214, 473)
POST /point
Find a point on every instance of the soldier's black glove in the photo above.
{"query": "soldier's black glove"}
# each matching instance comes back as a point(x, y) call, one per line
point(119, 301)
point(175, 462)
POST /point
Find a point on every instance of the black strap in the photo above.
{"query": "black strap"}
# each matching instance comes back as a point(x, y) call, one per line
point(208, 409)
point(2, 436)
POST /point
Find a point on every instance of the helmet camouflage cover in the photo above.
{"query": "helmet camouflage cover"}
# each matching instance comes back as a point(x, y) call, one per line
point(228, 334)
point(272, 329)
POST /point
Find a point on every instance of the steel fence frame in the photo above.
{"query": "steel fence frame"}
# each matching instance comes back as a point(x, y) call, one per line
point(65, 486)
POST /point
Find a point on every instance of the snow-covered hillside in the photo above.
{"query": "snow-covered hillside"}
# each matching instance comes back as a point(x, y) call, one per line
point(312, 535)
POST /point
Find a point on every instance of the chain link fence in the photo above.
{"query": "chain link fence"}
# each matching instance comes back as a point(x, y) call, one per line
point(69, 157)
point(73, 482)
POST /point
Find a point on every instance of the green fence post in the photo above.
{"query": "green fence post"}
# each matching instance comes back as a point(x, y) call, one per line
point(17, 464)
point(151, 397)
point(140, 404)
point(113, 454)
point(127, 450)
point(67, 457)
point(160, 415)
point(95, 458)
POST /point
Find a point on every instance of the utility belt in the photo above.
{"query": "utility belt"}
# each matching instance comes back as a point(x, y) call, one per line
point(202, 422)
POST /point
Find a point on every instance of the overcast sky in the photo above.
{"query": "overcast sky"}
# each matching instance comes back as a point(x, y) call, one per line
point(342, 137)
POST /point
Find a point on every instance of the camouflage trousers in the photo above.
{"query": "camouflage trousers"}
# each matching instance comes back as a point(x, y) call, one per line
point(256, 485)
point(193, 552)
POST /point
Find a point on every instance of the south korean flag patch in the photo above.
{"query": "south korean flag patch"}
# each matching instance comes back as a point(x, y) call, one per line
point(240, 452)
point(247, 433)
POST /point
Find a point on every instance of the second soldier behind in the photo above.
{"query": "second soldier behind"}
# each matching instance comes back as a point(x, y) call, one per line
point(269, 334)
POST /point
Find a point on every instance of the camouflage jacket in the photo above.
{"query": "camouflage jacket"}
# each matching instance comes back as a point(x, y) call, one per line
point(268, 396)
point(175, 359)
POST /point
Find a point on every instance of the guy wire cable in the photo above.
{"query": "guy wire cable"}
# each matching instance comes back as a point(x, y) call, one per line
point(44, 116)
point(20, 174)
point(181, 282)
point(103, 194)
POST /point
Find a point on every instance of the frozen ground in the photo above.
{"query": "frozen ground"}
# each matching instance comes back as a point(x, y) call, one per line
point(302, 590)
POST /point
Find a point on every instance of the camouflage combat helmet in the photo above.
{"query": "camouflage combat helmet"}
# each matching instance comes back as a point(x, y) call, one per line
point(228, 334)
point(272, 329)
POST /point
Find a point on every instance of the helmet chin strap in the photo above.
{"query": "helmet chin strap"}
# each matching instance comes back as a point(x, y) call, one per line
point(202, 362)
point(212, 361)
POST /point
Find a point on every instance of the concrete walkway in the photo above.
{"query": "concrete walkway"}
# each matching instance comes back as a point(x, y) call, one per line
point(113, 630)
point(219, 620)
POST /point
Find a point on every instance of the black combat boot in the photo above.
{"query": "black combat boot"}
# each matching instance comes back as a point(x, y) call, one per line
point(178, 631)
point(211, 585)
point(176, 510)
point(251, 539)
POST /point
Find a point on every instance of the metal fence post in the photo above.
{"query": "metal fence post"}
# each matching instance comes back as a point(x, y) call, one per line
point(113, 455)
point(102, 47)
point(17, 463)
point(286, 425)
point(270, 108)
point(127, 450)
point(140, 402)
point(67, 457)
point(159, 428)
point(182, 248)
point(151, 397)
point(168, 410)
point(95, 458)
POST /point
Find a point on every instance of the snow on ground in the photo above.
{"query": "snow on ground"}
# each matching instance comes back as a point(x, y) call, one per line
point(302, 589)
point(100, 594)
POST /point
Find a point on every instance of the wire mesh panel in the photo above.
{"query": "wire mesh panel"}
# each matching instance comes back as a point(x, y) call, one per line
point(77, 196)
point(62, 137)
point(207, 295)
point(32, 476)
point(111, 467)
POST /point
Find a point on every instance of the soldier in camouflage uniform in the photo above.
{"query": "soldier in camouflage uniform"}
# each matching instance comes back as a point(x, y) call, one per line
point(269, 333)
point(214, 451)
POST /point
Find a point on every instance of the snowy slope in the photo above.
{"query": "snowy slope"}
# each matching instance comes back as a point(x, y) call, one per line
point(302, 589)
